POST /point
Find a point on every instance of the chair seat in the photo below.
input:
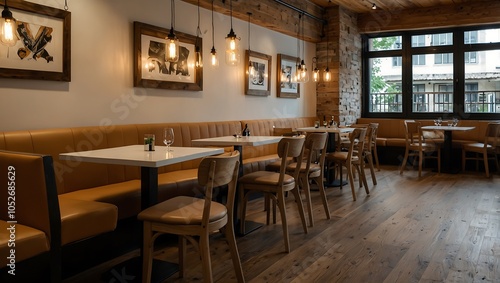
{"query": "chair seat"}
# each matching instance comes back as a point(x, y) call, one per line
point(312, 168)
point(476, 147)
point(265, 178)
point(182, 210)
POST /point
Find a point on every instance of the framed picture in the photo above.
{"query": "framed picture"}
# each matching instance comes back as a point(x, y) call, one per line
point(43, 47)
point(152, 70)
point(257, 81)
point(287, 69)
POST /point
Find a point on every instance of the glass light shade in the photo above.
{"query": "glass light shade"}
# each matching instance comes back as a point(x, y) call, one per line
point(232, 49)
point(214, 60)
point(327, 75)
point(8, 27)
point(172, 47)
point(315, 75)
point(251, 71)
point(198, 63)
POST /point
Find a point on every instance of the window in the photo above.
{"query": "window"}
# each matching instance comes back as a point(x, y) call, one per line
point(446, 58)
point(442, 39)
point(453, 71)
point(469, 38)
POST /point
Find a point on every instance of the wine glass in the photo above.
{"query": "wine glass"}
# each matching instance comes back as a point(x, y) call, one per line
point(168, 137)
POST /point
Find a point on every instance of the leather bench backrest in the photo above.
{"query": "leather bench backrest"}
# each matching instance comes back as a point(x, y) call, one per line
point(72, 175)
point(33, 186)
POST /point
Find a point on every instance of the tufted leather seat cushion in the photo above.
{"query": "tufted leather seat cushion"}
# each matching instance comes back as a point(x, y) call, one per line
point(29, 243)
point(182, 210)
point(81, 219)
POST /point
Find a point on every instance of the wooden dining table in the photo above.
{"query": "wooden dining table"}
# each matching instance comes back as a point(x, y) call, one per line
point(149, 161)
point(448, 145)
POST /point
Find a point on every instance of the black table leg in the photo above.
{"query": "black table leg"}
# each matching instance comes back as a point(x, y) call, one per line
point(447, 154)
point(330, 178)
point(250, 226)
point(131, 270)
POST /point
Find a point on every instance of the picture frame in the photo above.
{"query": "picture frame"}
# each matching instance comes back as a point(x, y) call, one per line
point(286, 70)
point(260, 83)
point(50, 60)
point(151, 70)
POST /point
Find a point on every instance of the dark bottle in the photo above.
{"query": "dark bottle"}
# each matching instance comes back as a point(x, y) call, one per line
point(245, 132)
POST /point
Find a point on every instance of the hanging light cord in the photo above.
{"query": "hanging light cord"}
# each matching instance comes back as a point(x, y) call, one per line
point(213, 41)
point(231, 12)
point(249, 14)
point(172, 18)
point(327, 40)
point(303, 41)
point(298, 39)
point(198, 31)
point(65, 4)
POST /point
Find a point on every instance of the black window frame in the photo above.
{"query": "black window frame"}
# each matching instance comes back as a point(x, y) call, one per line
point(458, 49)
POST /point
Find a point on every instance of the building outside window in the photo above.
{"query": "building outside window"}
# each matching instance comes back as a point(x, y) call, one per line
point(455, 72)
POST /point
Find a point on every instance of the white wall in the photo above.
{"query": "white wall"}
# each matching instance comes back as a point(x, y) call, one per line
point(101, 88)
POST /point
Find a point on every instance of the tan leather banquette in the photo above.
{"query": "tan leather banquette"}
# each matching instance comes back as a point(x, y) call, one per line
point(120, 185)
point(391, 132)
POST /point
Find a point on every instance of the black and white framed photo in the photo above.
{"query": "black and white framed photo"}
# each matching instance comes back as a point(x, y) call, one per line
point(257, 73)
point(286, 71)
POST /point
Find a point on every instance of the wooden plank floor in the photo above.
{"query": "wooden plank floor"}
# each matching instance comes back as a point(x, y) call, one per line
point(439, 228)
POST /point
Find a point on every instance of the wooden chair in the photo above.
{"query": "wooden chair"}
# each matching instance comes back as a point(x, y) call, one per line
point(276, 184)
point(488, 150)
point(353, 158)
point(417, 147)
point(312, 168)
point(188, 217)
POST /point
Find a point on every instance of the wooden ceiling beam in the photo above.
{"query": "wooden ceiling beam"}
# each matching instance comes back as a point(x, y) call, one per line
point(273, 15)
point(464, 14)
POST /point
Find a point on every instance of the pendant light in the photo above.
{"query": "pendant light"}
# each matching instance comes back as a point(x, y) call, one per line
point(232, 43)
point(327, 75)
point(172, 45)
point(315, 73)
point(198, 60)
point(251, 70)
point(214, 60)
point(8, 27)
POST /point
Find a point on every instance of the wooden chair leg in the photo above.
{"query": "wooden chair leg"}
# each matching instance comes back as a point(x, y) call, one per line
point(420, 161)
point(321, 186)
point(243, 207)
point(281, 205)
point(182, 256)
point(205, 257)
point(235, 256)
point(307, 192)
point(464, 161)
point(372, 171)
point(374, 150)
point(351, 181)
point(300, 207)
point(485, 158)
point(405, 159)
point(148, 245)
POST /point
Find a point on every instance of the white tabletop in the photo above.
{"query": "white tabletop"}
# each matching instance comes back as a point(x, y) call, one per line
point(231, 141)
point(135, 155)
point(447, 128)
point(324, 129)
